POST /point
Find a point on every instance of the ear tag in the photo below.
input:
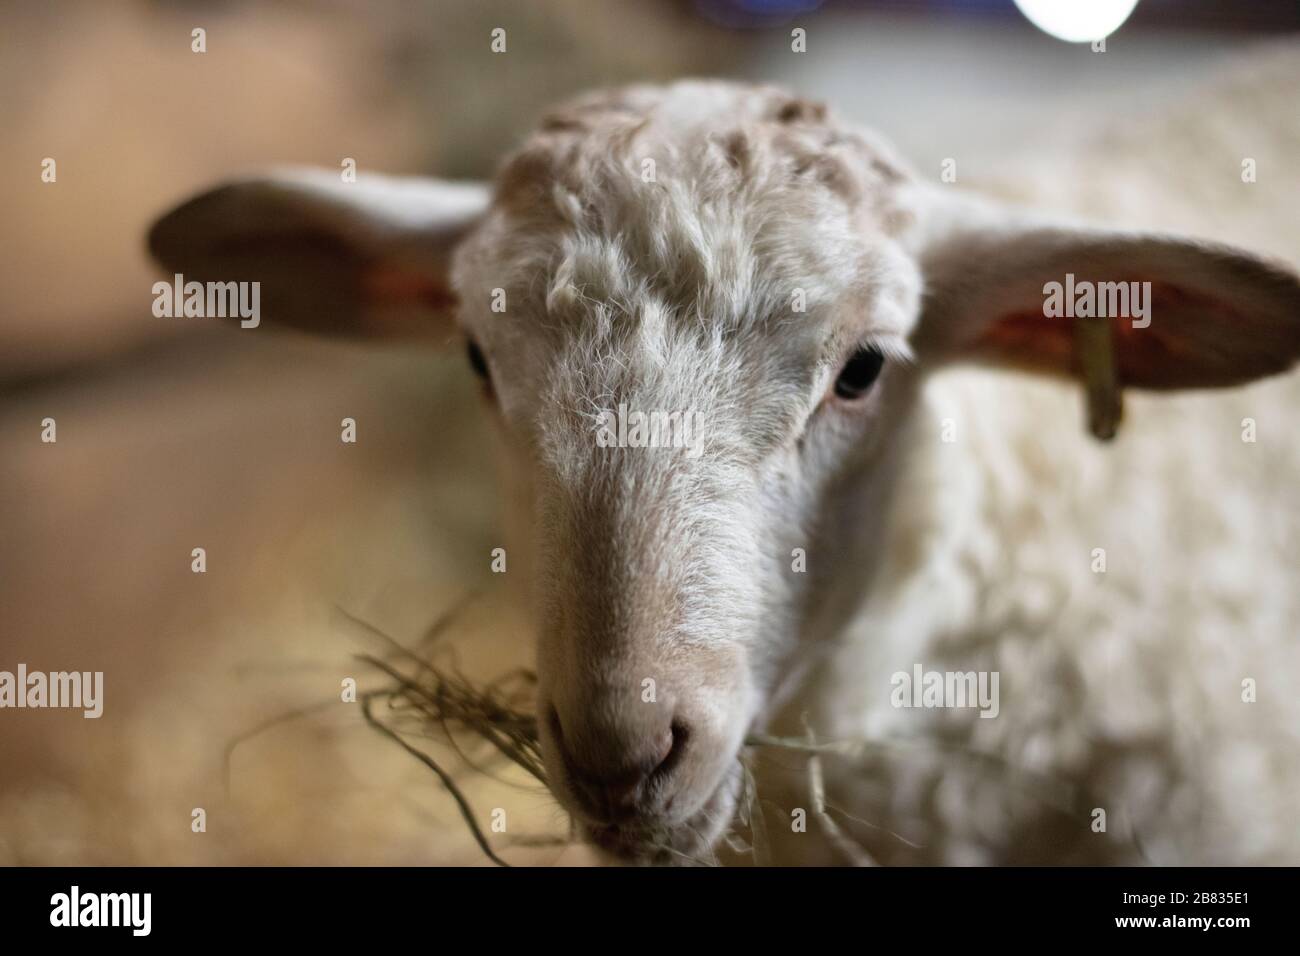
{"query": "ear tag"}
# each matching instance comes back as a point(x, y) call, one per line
point(1095, 348)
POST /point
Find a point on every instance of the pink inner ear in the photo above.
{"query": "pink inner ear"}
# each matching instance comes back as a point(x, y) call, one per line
point(1162, 354)
point(1189, 343)
point(389, 286)
point(1028, 340)
point(403, 304)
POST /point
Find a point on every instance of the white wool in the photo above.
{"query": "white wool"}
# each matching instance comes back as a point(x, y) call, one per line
point(1129, 681)
point(1124, 686)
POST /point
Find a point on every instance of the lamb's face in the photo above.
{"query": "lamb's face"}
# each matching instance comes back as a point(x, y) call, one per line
point(686, 363)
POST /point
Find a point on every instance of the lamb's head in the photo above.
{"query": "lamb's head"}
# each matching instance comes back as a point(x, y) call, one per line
point(699, 315)
point(682, 277)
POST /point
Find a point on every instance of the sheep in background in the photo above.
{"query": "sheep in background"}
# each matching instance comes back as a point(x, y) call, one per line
point(733, 252)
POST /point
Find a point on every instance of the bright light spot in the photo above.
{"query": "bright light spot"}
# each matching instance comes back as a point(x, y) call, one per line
point(1077, 21)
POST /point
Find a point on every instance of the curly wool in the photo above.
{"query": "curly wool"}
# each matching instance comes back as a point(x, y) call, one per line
point(1122, 691)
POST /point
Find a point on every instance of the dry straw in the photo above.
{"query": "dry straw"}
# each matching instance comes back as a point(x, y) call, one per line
point(425, 697)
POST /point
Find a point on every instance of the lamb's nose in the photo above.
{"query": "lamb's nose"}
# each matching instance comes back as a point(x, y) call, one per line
point(613, 764)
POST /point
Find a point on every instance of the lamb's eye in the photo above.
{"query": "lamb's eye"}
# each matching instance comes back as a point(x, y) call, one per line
point(859, 373)
point(476, 361)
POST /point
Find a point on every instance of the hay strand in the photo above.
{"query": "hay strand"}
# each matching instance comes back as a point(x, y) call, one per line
point(424, 695)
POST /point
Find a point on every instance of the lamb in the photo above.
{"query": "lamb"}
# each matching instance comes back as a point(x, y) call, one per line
point(856, 509)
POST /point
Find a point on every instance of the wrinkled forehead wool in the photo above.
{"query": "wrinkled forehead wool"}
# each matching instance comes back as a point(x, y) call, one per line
point(702, 246)
point(698, 203)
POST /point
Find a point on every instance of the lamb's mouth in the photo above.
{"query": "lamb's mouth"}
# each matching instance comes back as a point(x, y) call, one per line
point(684, 843)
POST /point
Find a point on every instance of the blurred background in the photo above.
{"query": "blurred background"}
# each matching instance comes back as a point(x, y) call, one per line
point(175, 434)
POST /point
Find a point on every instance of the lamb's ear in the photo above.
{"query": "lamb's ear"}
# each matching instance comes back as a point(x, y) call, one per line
point(1215, 315)
point(363, 258)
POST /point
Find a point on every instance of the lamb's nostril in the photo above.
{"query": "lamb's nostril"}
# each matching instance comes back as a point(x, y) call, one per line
point(672, 745)
point(619, 768)
point(622, 796)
